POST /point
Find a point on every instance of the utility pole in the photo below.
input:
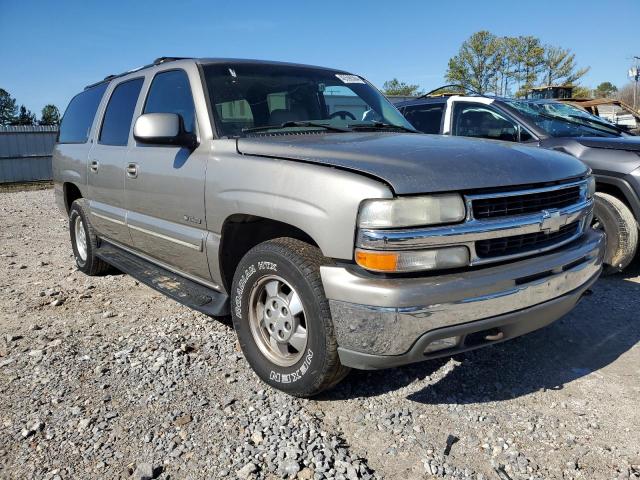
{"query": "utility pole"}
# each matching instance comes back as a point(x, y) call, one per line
point(634, 73)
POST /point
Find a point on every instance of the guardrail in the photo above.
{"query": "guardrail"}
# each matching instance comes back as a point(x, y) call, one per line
point(25, 152)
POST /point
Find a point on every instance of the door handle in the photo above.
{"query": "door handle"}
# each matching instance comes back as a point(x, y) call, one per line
point(94, 166)
point(132, 170)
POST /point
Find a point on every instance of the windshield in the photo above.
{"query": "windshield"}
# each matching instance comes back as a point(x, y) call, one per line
point(249, 98)
point(563, 120)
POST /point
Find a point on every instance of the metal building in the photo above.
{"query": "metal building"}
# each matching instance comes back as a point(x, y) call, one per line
point(25, 153)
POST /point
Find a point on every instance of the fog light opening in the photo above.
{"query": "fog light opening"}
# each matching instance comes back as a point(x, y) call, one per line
point(442, 344)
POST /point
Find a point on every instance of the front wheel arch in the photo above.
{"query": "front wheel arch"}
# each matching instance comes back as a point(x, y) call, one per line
point(241, 232)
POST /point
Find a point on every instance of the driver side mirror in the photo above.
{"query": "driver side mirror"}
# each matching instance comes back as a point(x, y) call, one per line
point(163, 129)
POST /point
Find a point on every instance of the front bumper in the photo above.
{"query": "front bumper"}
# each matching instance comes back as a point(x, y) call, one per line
point(384, 322)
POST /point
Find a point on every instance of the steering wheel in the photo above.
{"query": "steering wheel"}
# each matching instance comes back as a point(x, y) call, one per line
point(343, 114)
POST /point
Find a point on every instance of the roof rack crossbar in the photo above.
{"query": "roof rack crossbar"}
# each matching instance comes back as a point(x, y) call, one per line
point(157, 61)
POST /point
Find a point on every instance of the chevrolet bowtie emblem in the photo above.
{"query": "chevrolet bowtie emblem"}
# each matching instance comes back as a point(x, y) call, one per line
point(552, 221)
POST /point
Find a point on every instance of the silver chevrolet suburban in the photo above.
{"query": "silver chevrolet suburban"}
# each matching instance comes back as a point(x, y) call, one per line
point(298, 200)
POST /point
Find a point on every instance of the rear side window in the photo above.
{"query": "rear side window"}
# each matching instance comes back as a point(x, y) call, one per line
point(425, 118)
point(170, 92)
point(78, 117)
point(119, 114)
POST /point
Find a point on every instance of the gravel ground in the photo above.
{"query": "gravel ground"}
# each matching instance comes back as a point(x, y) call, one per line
point(104, 378)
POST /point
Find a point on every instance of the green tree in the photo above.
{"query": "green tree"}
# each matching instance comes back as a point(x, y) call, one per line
point(560, 67)
point(581, 92)
point(505, 63)
point(477, 62)
point(396, 87)
point(25, 117)
point(605, 90)
point(8, 108)
point(528, 54)
point(50, 115)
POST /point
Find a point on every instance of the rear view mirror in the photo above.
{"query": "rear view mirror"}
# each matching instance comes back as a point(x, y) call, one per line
point(163, 129)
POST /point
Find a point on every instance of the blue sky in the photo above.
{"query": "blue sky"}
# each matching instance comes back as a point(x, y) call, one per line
point(51, 49)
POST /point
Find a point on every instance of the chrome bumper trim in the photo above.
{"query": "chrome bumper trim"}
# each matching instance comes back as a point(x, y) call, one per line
point(386, 316)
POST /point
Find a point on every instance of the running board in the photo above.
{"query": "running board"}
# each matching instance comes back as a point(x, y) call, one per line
point(174, 286)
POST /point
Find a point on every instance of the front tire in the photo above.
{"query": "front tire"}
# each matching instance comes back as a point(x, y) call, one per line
point(84, 241)
point(282, 318)
point(615, 218)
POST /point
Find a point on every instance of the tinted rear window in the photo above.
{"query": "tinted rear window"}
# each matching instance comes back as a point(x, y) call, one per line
point(78, 117)
point(426, 118)
point(119, 114)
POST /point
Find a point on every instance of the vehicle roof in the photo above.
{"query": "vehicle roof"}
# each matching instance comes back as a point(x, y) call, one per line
point(444, 98)
point(211, 61)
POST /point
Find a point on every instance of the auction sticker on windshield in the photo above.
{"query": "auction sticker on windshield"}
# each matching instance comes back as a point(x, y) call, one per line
point(349, 78)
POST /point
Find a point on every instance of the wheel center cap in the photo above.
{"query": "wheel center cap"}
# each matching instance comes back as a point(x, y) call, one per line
point(278, 319)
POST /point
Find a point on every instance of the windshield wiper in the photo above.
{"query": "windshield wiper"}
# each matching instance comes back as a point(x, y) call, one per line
point(379, 125)
point(295, 124)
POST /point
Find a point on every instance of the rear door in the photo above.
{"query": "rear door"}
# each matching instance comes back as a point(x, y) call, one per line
point(164, 184)
point(107, 160)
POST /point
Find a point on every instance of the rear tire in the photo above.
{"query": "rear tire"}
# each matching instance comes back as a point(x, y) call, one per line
point(84, 241)
point(615, 218)
point(282, 318)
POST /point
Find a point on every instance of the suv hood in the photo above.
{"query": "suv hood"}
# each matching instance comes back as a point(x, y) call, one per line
point(415, 163)
point(614, 143)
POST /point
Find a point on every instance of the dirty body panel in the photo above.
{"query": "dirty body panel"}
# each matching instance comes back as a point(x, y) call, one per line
point(413, 164)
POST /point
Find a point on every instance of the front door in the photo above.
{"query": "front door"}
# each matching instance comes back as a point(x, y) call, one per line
point(472, 119)
point(107, 160)
point(164, 185)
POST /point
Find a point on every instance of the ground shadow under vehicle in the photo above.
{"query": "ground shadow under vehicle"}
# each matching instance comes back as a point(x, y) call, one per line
point(603, 327)
point(600, 329)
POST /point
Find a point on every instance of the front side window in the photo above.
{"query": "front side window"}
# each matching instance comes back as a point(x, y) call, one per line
point(480, 121)
point(118, 116)
point(249, 96)
point(170, 92)
point(426, 118)
point(78, 117)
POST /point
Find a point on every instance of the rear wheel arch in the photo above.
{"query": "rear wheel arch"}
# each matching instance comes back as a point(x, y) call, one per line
point(241, 232)
point(71, 194)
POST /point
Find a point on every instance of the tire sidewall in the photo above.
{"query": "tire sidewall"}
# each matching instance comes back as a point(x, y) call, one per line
point(76, 211)
point(609, 225)
point(302, 376)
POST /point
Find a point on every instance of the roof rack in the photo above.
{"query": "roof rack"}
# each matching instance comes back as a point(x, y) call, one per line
point(161, 60)
point(449, 93)
point(157, 61)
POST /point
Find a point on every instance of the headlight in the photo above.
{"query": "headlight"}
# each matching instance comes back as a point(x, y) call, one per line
point(591, 186)
point(412, 260)
point(411, 211)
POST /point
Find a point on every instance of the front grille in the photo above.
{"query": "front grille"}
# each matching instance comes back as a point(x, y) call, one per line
point(503, 206)
point(516, 244)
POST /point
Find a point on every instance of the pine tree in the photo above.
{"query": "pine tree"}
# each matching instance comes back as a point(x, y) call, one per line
point(25, 117)
point(50, 115)
point(8, 108)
